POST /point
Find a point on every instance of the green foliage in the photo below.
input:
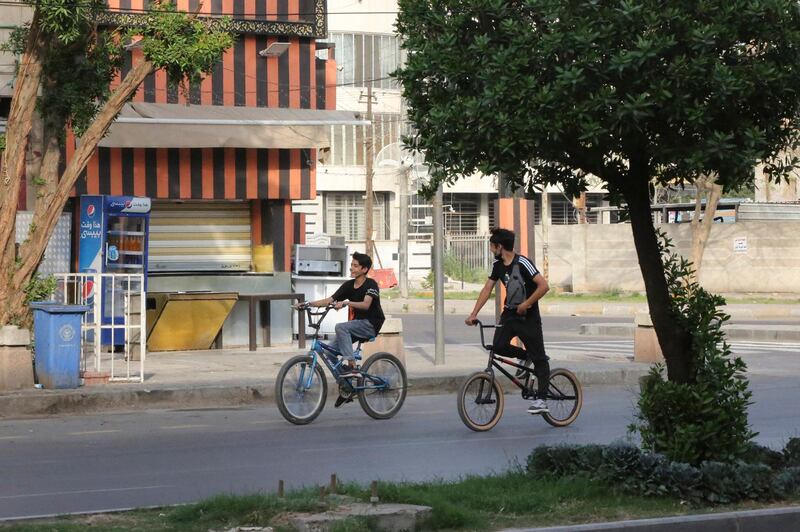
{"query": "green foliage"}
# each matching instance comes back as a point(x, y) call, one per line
point(183, 46)
point(627, 91)
point(788, 482)
point(80, 63)
point(39, 289)
point(704, 419)
point(791, 453)
point(635, 471)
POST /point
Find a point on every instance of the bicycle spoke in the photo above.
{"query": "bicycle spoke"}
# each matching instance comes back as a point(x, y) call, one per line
point(301, 397)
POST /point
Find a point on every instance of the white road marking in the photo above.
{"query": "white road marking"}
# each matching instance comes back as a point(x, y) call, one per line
point(89, 432)
point(79, 492)
point(182, 427)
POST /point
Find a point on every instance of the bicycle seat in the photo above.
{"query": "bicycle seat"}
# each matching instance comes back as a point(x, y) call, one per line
point(363, 340)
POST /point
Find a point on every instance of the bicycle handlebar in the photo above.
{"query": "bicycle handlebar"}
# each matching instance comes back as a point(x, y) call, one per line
point(482, 327)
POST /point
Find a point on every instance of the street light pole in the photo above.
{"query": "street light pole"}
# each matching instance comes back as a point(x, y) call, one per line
point(368, 203)
point(438, 268)
point(402, 254)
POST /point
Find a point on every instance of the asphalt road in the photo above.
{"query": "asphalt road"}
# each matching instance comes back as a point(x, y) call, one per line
point(112, 461)
point(420, 327)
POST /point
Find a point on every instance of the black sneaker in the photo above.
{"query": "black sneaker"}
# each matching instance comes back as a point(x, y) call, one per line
point(342, 400)
point(348, 371)
point(520, 371)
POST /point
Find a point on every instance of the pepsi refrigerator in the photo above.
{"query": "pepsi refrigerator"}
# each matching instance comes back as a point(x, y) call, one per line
point(113, 239)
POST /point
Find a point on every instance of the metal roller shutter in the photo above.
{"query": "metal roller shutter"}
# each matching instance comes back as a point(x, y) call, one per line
point(202, 236)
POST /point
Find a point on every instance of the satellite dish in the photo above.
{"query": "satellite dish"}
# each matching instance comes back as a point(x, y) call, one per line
point(394, 154)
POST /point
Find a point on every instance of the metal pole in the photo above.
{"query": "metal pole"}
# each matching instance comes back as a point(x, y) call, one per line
point(402, 254)
point(368, 204)
point(545, 219)
point(438, 268)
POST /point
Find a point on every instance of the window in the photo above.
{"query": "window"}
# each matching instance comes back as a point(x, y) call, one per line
point(348, 146)
point(344, 215)
point(365, 57)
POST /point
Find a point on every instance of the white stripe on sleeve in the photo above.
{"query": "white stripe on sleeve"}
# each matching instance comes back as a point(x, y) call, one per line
point(528, 265)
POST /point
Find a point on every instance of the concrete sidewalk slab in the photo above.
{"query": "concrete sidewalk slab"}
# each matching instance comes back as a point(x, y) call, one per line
point(755, 332)
point(777, 519)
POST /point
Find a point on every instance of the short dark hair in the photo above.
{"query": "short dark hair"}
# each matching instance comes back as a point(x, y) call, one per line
point(363, 260)
point(502, 237)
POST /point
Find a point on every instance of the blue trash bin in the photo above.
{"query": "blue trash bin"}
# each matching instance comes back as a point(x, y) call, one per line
point(57, 336)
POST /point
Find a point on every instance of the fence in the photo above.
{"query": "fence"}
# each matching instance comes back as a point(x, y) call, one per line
point(113, 331)
point(470, 248)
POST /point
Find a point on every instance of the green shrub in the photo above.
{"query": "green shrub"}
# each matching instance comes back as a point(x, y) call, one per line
point(787, 482)
point(559, 461)
point(759, 454)
point(650, 474)
point(724, 483)
point(791, 453)
point(704, 419)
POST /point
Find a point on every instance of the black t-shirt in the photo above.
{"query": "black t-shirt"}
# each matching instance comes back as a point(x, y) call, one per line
point(374, 313)
point(527, 270)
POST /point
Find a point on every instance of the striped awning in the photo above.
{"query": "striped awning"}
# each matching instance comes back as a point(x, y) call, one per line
point(162, 125)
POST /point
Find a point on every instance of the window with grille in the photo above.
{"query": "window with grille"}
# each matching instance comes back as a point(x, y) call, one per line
point(348, 147)
point(344, 215)
point(365, 57)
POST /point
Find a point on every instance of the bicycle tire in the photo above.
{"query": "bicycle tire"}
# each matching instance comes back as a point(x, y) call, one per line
point(370, 399)
point(480, 381)
point(287, 411)
point(564, 398)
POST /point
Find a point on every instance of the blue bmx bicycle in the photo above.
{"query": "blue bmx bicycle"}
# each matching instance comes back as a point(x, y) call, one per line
point(301, 388)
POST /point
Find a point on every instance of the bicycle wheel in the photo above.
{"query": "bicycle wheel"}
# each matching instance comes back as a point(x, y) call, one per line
point(564, 398)
point(379, 402)
point(299, 400)
point(480, 402)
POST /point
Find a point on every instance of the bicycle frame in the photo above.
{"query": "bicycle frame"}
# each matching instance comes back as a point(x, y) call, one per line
point(319, 348)
point(495, 361)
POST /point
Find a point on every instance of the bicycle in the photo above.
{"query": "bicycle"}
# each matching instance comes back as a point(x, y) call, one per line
point(301, 388)
point(481, 400)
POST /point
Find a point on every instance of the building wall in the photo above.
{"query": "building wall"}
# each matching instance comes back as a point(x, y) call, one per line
point(10, 17)
point(591, 258)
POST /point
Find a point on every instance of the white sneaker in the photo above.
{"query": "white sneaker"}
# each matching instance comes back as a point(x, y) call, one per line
point(538, 407)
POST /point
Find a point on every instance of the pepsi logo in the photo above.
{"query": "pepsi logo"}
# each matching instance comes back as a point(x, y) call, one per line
point(90, 210)
point(128, 204)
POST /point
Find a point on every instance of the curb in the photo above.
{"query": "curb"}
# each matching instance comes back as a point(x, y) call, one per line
point(768, 519)
point(109, 399)
point(766, 333)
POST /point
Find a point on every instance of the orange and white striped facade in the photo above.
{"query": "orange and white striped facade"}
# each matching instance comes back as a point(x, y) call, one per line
point(268, 178)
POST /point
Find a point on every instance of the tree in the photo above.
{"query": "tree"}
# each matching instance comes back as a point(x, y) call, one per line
point(635, 93)
point(66, 71)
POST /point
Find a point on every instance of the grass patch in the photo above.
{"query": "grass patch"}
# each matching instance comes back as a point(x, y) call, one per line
point(474, 503)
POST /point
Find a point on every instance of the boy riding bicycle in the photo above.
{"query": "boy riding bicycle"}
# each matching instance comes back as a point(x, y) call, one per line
point(362, 296)
point(525, 286)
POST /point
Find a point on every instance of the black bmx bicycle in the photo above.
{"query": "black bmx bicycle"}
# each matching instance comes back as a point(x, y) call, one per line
point(481, 400)
point(301, 388)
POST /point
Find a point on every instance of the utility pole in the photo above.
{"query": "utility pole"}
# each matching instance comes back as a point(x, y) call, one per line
point(545, 219)
point(438, 276)
point(402, 254)
point(368, 203)
point(580, 204)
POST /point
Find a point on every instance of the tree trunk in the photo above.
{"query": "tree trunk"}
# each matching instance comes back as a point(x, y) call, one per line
point(702, 229)
point(31, 252)
point(674, 340)
point(23, 105)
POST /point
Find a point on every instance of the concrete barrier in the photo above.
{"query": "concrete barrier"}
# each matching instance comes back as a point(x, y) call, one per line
point(16, 364)
point(390, 340)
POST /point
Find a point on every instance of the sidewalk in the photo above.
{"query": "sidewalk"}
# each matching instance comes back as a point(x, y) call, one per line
point(234, 377)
